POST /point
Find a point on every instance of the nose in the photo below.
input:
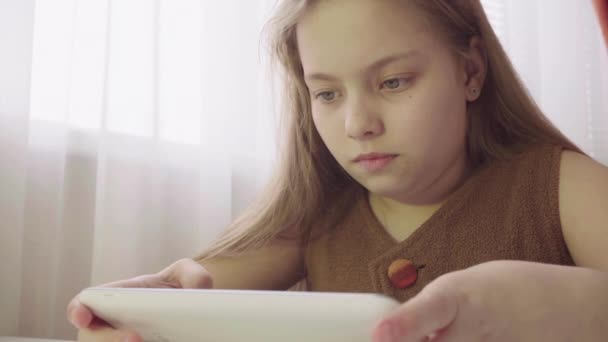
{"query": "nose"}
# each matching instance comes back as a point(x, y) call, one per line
point(362, 122)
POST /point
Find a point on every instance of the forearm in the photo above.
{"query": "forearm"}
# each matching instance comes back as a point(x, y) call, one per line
point(589, 291)
point(275, 267)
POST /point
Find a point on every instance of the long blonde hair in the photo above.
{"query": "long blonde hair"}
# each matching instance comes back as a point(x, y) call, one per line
point(309, 184)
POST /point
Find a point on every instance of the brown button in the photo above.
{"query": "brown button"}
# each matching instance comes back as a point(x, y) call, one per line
point(403, 273)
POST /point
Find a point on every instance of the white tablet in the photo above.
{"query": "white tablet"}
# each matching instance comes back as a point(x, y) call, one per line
point(184, 315)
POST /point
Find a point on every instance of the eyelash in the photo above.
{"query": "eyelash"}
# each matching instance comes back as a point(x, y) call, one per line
point(406, 80)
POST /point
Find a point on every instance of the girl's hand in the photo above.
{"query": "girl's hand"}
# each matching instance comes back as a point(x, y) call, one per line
point(185, 273)
point(503, 301)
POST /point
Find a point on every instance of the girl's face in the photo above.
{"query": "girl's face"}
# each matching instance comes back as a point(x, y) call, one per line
point(381, 82)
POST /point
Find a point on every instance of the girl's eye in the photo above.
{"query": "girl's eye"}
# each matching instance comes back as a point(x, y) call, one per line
point(326, 96)
point(394, 83)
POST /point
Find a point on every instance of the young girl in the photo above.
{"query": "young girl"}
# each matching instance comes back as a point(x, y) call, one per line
point(416, 165)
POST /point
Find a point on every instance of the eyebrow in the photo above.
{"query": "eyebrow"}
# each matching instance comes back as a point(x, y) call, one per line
point(374, 66)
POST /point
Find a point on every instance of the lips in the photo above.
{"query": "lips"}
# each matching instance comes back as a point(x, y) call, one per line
point(373, 156)
point(374, 162)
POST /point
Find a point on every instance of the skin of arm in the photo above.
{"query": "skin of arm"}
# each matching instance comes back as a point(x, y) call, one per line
point(277, 266)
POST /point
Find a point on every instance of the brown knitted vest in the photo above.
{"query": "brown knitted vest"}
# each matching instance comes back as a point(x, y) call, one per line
point(507, 210)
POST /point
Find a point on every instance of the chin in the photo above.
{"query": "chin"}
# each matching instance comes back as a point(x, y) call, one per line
point(387, 187)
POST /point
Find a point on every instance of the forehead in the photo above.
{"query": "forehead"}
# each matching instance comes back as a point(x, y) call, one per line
point(346, 34)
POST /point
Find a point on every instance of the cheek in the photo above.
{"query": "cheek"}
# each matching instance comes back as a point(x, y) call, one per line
point(447, 121)
point(438, 116)
point(446, 102)
point(331, 130)
point(453, 113)
point(447, 129)
point(328, 129)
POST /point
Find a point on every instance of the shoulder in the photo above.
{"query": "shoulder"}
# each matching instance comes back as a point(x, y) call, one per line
point(583, 208)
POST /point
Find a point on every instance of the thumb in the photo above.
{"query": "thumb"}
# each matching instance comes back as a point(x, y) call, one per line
point(81, 316)
point(418, 318)
point(100, 331)
point(187, 274)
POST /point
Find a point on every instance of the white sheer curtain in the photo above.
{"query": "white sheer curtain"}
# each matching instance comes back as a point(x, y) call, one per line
point(557, 47)
point(133, 131)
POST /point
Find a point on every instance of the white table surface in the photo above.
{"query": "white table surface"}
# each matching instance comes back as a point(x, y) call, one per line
point(26, 339)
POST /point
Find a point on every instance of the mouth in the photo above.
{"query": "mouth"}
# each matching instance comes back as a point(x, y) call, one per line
point(374, 161)
point(373, 156)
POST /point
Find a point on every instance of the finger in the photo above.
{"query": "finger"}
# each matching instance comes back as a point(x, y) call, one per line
point(100, 331)
point(442, 337)
point(434, 337)
point(420, 317)
point(188, 274)
point(470, 329)
point(148, 280)
point(78, 315)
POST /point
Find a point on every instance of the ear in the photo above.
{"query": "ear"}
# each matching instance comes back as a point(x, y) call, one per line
point(476, 65)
